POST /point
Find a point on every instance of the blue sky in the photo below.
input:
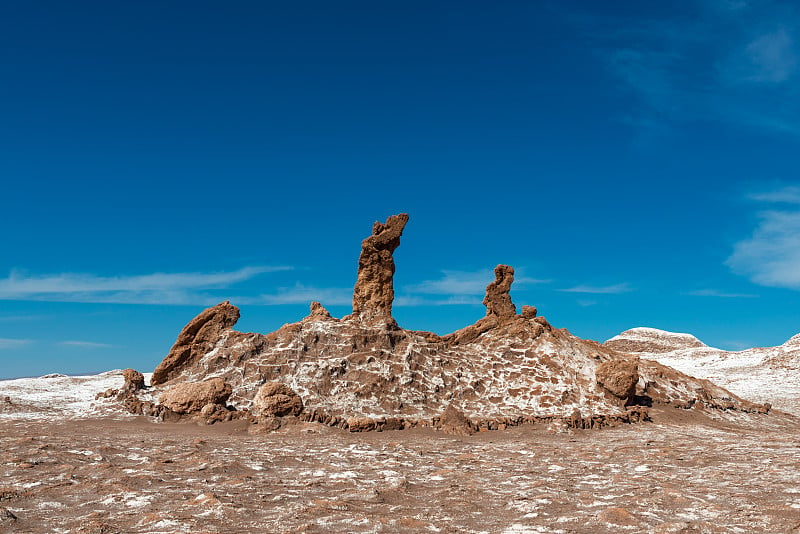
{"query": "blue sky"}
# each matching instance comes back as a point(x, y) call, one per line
point(637, 163)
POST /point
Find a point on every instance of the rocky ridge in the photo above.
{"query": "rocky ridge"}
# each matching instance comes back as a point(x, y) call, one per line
point(364, 372)
point(760, 374)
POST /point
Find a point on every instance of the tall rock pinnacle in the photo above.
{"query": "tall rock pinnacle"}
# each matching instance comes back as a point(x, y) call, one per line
point(374, 290)
point(497, 299)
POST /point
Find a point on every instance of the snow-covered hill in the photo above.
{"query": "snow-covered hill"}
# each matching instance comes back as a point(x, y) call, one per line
point(60, 396)
point(761, 374)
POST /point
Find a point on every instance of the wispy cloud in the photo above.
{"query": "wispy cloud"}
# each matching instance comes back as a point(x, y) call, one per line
point(301, 294)
point(771, 56)
point(785, 195)
point(85, 344)
point(771, 256)
point(156, 288)
point(464, 283)
point(718, 293)
point(600, 290)
point(6, 343)
point(731, 62)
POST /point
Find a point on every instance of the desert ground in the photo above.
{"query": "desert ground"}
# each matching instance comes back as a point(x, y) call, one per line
point(683, 472)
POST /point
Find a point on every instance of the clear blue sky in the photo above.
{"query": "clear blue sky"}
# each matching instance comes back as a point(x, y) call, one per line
point(636, 162)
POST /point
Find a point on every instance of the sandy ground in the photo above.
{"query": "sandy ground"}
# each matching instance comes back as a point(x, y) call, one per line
point(682, 473)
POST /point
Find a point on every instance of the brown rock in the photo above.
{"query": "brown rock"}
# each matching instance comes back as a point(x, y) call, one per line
point(196, 339)
point(191, 397)
point(215, 413)
point(134, 381)
point(374, 290)
point(529, 312)
point(453, 421)
point(498, 300)
point(618, 377)
point(318, 311)
point(360, 424)
point(276, 400)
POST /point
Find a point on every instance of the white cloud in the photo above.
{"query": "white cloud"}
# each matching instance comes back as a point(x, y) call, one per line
point(85, 344)
point(605, 290)
point(771, 57)
point(718, 293)
point(302, 294)
point(156, 288)
point(786, 195)
point(464, 283)
point(771, 256)
point(6, 343)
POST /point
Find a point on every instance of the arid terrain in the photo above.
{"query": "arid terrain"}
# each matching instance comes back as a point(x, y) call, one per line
point(681, 473)
point(354, 424)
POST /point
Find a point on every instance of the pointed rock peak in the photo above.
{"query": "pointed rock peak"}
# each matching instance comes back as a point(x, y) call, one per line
point(196, 339)
point(374, 290)
point(498, 299)
point(318, 311)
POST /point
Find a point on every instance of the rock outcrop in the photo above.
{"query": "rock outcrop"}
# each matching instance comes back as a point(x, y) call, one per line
point(191, 397)
point(276, 400)
point(195, 340)
point(134, 381)
point(618, 377)
point(364, 372)
point(498, 297)
point(374, 290)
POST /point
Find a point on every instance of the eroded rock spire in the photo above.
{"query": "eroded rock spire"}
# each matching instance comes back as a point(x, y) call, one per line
point(374, 290)
point(498, 299)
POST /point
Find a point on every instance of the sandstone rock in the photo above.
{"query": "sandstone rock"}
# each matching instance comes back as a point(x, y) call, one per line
point(453, 421)
point(360, 424)
point(276, 400)
point(374, 290)
point(529, 312)
point(190, 397)
point(196, 339)
point(498, 299)
point(215, 413)
point(134, 381)
point(618, 377)
point(318, 311)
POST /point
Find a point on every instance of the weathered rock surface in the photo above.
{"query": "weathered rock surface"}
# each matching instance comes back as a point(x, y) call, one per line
point(196, 339)
point(134, 381)
point(276, 400)
point(453, 421)
point(498, 297)
point(765, 375)
point(190, 397)
point(365, 372)
point(618, 377)
point(374, 290)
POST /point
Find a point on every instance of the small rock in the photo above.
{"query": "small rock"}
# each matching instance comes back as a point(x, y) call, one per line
point(618, 377)
point(191, 397)
point(453, 421)
point(276, 400)
point(617, 516)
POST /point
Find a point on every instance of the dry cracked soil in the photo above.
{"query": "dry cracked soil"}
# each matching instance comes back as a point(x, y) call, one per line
point(682, 473)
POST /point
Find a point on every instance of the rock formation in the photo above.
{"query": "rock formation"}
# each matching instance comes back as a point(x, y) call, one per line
point(618, 377)
point(191, 397)
point(374, 290)
point(195, 340)
point(276, 400)
point(498, 297)
point(134, 381)
point(364, 372)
